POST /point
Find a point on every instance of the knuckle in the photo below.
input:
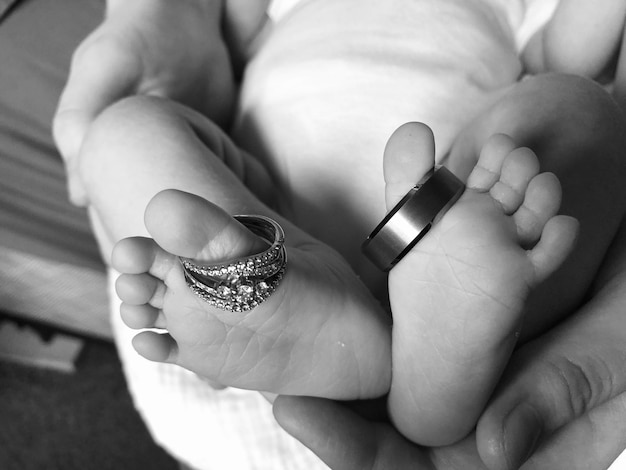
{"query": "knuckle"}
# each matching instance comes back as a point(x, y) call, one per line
point(580, 383)
point(576, 389)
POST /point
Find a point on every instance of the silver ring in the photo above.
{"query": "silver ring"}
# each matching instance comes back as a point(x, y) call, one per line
point(241, 284)
point(412, 217)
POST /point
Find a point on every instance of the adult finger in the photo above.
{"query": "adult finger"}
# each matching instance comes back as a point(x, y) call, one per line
point(102, 71)
point(583, 36)
point(343, 439)
point(562, 376)
point(593, 441)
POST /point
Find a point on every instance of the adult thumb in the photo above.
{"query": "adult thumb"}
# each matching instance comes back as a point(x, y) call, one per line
point(103, 70)
point(551, 382)
point(69, 129)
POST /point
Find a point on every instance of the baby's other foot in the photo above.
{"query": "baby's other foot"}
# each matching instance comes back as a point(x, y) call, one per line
point(458, 297)
point(320, 333)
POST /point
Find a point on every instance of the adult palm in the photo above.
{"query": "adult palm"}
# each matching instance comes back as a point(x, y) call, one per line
point(153, 47)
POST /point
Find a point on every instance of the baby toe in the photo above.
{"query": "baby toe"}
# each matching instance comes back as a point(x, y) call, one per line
point(554, 246)
point(142, 316)
point(542, 201)
point(158, 347)
point(139, 289)
point(187, 225)
point(487, 170)
point(518, 169)
point(134, 255)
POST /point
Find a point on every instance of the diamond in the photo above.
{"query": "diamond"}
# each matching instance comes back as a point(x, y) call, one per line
point(223, 291)
point(245, 290)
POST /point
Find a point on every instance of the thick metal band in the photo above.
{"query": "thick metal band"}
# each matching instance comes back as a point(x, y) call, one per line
point(412, 217)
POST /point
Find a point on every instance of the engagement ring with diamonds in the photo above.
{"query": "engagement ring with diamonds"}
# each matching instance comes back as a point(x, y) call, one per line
point(241, 284)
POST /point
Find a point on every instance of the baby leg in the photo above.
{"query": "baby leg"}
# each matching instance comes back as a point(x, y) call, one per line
point(459, 297)
point(320, 332)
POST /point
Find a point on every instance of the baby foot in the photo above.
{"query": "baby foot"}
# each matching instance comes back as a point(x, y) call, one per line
point(320, 333)
point(458, 297)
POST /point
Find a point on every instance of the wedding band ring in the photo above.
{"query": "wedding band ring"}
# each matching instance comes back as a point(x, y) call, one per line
point(243, 283)
point(412, 217)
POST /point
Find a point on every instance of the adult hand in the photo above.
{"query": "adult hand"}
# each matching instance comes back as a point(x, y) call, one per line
point(561, 404)
point(154, 47)
point(584, 38)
